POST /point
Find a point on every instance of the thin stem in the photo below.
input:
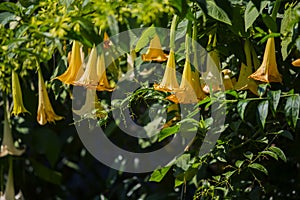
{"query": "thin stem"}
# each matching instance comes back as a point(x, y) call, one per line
point(172, 32)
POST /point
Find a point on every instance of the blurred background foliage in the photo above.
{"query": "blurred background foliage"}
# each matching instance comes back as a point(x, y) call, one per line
point(256, 156)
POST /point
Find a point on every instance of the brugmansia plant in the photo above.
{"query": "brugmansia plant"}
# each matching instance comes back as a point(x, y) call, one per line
point(247, 71)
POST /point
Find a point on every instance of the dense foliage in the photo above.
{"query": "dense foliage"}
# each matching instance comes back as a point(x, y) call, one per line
point(256, 155)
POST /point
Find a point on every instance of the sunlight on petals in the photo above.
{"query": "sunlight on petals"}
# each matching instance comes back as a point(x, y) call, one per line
point(268, 71)
point(155, 52)
point(75, 65)
point(169, 82)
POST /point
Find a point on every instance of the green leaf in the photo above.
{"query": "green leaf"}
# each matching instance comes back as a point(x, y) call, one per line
point(46, 173)
point(239, 163)
point(287, 30)
point(166, 132)
point(292, 107)
point(176, 4)
point(183, 161)
point(241, 107)
point(274, 98)
point(159, 174)
point(269, 22)
point(217, 13)
point(145, 38)
point(6, 17)
point(251, 13)
point(229, 174)
point(270, 153)
point(262, 109)
point(248, 155)
point(259, 167)
point(279, 152)
point(8, 6)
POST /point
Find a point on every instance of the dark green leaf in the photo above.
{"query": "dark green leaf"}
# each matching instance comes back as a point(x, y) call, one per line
point(262, 109)
point(287, 30)
point(183, 161)
point(6, 17)
point(168, 131)
point(292, 107)
point(8, 6)
point(270, 153)
point(159, 174)
point(269, 22)
point(241, 107)
point(239, 163)
point(248, 155)
point(46, 173)
point(217, 13)
point(251, 13)
point(274, 98)
point(259, 167)
point(279, 152)
point(229, 174)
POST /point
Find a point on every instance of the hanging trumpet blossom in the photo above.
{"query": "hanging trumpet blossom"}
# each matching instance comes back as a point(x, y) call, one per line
point(296, 63)
point(169, 82)
point(92, 108)
point(9, 193)
point(244, 82)
point(75, 65)
point(45, 111)
point(268, 71)
point(212, 74)
point(103, 84)
point(195, 74)
point(17, 95)
point(90, 76)
point(186, 92)
point(8, 147)
point(155, 52)
point(226, 79)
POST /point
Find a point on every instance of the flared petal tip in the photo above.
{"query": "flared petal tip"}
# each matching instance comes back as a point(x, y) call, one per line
point(161, 57)
point(17, 112)
point(296, 63)
point(181, 97)
point(162, 88)
point(5, 150)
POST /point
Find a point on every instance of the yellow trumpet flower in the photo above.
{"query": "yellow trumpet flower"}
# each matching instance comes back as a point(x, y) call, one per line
point(75, 65)
point(268, 71)
point(103, 84)
point(212, 74)
point(45, 111)
point(92, 108)
point(90, 76)
point(9, 193)
point(244, 82)
point(169, 82)
point(226, 79)
point(155, 52)
point(17, 95)
point(296, 63)
point(8, 147)
point(185, 93)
